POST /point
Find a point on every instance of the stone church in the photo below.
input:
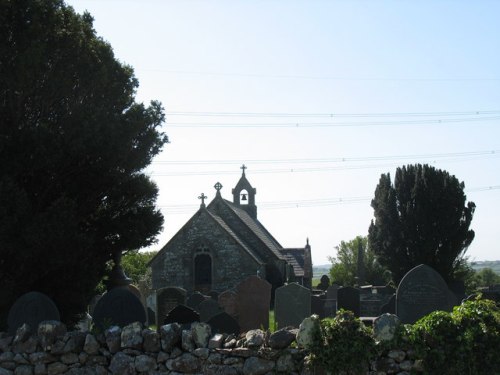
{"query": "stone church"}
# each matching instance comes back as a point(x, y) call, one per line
point(223, 243)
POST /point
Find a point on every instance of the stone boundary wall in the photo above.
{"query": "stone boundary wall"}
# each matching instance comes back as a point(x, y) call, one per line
point(131, 350)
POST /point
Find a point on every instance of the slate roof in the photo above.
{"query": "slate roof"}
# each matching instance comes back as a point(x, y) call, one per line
point(295, 257)
point(255, 227)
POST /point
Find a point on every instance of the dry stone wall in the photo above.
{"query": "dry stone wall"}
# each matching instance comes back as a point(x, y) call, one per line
point(52, 350)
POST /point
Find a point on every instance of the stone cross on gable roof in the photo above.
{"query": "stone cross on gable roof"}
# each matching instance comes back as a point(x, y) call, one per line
point(202, 197)
point(217, 187)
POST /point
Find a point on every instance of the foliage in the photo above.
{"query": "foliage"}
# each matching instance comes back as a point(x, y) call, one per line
point(73, 147)
point(465, 341)
point(344, 265)
point(343, 345)
point(422, 219)
point(487, 277)
point(134, 265)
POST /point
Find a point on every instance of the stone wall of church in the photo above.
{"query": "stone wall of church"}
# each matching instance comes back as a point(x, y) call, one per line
point(230, 262)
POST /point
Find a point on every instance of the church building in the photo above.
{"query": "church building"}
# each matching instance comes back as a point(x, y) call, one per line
point(223, 243)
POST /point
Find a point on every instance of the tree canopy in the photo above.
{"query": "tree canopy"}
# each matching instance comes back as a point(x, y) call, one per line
point(422, 219)
point(345, 264)
point(73, 147)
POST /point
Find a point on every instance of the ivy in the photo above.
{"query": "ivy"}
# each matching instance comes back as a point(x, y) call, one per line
point(465, 341)
point(343, 345)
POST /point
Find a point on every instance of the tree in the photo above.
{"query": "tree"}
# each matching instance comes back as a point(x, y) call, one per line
point(135, 264)
point(345, 264)
point(73, 147)
point(487, 277)
point(422, 218)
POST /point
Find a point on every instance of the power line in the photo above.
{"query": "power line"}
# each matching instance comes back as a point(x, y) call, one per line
point(323, 202)
point(323, 77)
point(332, 114)
point(463, 154)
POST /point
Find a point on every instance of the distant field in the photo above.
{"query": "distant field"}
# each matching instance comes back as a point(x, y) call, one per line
point(324, 269)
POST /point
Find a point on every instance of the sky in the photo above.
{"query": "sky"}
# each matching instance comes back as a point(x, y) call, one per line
point(317, 99)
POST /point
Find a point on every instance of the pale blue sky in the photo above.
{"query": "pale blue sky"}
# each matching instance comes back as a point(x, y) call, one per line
point(437, 63)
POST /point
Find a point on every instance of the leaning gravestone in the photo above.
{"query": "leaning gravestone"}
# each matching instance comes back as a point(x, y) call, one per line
point(183, 315)
point(421, 291)
point(166, 299)
point(120, 307)
point(224, 323)
point(31, 308)
point(254, 299)
point(348, 299)
point(292, 304)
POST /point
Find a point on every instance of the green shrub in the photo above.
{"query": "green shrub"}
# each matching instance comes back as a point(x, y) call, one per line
point(465, 341)
point(343, 345)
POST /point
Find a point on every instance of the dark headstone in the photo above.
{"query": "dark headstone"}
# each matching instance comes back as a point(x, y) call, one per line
point(348, 299)
point(166, 300)
point(228, 302)
point(318, 306)
point(208, 308)
point(224, 323)
point(331, 300)
point(195, 299)
point(253, 302)
point(390, 306)
point(421, 291)
point(151, 315)
point(292, 304)
point(324, 283)
point(183, 315)
point(31, 308)
point(120, 307)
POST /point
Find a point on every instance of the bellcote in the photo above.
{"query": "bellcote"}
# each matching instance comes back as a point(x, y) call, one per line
point(244, 195)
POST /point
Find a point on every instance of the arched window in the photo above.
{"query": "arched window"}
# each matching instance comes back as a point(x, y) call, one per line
point(203, 270)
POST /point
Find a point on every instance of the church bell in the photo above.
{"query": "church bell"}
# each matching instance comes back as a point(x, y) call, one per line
point(243, 197)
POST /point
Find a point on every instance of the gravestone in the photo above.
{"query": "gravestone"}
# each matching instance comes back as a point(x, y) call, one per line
point(318, 306)
point(421, 291)
point(194, 300)
point(208, 308)
point(224, 323)
point(120, 307)
point(292, 304)
point(331, 300)
point(183, 315)
point(253, 302)
point(166, 299)
point(228, 302)
point(31, 308)
point(324, 283)
point(348, 299)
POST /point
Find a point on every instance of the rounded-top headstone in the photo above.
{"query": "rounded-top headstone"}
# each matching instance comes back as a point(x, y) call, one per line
point(31, 308)
point(118, 307)
point(421, 291)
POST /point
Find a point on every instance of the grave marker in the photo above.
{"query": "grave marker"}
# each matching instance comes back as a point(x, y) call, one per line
point(166, 299)
point(253, 301)
point(421, 291)
point(292, 304)
point(31, 308)
point(348, 299)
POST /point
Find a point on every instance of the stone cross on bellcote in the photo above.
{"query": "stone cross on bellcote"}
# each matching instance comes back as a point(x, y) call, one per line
point(243, 167)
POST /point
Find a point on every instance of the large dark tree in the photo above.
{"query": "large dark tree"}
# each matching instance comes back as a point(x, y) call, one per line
point(73, 147)
point(422, 218)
